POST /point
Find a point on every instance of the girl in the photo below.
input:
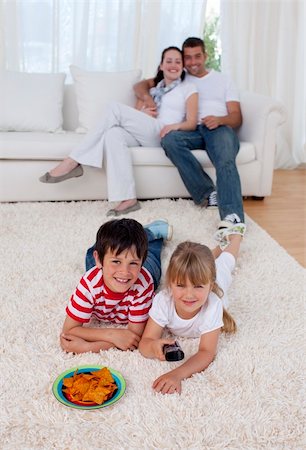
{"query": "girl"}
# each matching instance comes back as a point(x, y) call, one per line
point(123, 127)
point(191, 306)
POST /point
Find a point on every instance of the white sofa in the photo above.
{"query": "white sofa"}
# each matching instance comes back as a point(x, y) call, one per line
point(24, 156)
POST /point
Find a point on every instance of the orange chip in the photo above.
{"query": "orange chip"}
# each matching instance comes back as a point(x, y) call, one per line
point(95, 387)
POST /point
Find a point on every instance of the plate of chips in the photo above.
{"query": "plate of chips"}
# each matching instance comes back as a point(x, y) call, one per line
point(89, 387)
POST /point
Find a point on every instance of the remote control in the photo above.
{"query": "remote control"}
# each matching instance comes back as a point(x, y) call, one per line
point(173, 352)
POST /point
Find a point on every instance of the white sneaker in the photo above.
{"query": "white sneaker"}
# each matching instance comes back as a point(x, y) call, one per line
point(229, 221)
point(222, 235)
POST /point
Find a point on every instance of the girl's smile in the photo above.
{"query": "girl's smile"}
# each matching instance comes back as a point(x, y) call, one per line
point(189, 298)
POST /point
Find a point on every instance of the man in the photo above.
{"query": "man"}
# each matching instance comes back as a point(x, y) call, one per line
point(219, 114)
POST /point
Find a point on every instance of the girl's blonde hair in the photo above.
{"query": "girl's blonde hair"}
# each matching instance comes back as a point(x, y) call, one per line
point(195, 262)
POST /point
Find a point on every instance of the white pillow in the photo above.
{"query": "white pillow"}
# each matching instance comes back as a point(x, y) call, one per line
point(95, 90)
point(31, 101)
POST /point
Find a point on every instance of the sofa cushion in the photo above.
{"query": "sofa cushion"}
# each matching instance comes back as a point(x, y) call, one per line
point(46, 146)
point(31, 101)
point(150, 156)
point(94, 90)
point(37, 146)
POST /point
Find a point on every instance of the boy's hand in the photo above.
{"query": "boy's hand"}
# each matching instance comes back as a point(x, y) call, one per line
point(125, 339)
point(168, 383)
point(74, 344)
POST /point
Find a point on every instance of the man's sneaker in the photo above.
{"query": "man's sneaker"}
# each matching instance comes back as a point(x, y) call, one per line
point(229, 221)
point(222, 235)
point(212, 202)
point(160, 229)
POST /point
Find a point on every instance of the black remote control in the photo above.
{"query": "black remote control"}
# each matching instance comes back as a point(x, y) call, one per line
point(173, 352)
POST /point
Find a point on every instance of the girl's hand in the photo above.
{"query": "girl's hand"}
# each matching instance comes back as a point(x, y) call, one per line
point(157, 347)
point(167, 128)
point(169, 383)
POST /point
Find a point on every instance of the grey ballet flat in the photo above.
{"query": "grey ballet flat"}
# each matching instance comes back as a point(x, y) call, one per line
point(74, 173)
point(114, 212)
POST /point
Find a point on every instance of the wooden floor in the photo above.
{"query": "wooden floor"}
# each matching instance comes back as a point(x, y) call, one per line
point(283, 214)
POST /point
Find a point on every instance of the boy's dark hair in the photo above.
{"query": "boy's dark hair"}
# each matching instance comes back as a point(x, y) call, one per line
point(193, 42)
point(121, 234)
point(160, 74)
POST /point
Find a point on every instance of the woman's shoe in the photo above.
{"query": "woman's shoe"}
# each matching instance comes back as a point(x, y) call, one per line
point(74, 173)
point(115, 212)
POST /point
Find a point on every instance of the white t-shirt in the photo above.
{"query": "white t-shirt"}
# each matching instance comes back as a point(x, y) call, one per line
point(215, 90)
point(173, 104)
point(210, 316)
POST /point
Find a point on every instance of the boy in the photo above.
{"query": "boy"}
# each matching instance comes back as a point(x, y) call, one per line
point(118, 288)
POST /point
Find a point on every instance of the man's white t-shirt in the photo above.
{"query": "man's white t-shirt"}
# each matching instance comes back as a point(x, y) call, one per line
point(173, 104)
point(210, 316)
point(215, 90)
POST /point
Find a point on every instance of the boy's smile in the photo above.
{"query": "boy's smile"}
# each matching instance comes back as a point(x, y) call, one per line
point(120, 271)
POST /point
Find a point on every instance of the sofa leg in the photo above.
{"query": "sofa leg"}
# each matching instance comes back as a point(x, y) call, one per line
point(257, 198)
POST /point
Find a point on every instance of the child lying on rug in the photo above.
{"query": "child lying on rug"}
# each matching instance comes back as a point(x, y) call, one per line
point(123, 269)
point(191, 305)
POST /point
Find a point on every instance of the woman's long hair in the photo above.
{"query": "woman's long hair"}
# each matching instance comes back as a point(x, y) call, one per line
point(160, 74)
point(195, 262)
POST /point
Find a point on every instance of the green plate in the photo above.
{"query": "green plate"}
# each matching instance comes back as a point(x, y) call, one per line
point(57, 387)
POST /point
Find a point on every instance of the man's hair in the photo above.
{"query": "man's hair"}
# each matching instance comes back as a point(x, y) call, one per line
point(194, 42)
point(121, 234)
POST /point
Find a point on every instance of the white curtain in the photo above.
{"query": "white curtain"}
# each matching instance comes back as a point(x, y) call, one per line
point(109, 35)
point(263, 49)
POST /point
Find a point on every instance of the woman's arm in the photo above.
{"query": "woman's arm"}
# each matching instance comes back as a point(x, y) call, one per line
point(152, 343)
point(190, 123)
point(171, 382)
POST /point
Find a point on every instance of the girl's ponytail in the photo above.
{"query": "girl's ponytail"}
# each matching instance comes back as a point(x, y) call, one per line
point(229, 323)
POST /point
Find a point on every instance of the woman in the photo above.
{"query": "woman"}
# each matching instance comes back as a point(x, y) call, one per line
point(124, 127)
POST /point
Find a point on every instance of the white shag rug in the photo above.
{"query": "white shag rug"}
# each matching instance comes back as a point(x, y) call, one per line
point(250, 397)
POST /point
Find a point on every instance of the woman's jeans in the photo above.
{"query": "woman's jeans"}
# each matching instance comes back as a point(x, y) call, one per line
point(152, 262)
point(221, 146)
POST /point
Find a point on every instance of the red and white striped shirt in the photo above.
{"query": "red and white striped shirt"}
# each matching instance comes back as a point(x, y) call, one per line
point(92, 298)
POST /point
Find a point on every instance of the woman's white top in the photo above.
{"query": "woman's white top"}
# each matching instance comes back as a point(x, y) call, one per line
point(173, 104)
point(210, 316)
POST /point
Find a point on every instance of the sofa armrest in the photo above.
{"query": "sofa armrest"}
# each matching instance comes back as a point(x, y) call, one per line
point(262, 116)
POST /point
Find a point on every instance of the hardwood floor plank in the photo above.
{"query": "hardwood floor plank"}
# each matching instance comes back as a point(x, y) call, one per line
point(283, 214)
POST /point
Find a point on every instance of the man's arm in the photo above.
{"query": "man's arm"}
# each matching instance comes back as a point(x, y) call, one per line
point(142, 89)
point(233, 119)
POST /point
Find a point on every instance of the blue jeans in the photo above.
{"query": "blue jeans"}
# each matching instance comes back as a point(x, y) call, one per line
point(222, 146)
point(152, 262)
